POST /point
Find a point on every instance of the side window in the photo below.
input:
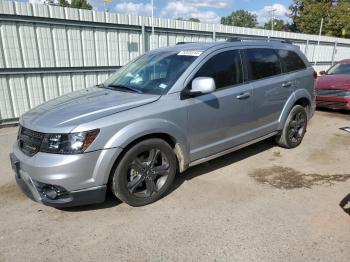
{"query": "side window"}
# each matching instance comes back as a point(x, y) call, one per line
point(262, 62)
point(225, 68)
point(291, 61)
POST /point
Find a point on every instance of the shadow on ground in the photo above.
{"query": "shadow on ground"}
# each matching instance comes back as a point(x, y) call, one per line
point(112, 201)
point(221, 162)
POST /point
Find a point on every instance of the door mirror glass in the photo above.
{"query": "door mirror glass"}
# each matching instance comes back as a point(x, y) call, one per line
point(202, 85)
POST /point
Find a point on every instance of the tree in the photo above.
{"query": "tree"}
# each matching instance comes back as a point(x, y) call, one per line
point(278, 25)
point(190, 19)
point(240, 18)
point(339, 22)
point(63, 3)
point(307, 15)
point(81, 4)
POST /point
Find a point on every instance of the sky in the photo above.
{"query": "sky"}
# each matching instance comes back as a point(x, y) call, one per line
point(208, 11)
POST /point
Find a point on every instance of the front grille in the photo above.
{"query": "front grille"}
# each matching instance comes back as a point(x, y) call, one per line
point(333, 92)
point(29, 141)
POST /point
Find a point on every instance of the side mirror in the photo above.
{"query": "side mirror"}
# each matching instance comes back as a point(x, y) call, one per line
point(202, 85)
point(323, 72)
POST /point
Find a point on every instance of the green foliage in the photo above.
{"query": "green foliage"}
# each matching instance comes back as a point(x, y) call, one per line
point(81, 4)
point(194, 20)
point(307, 15)
point(339, 22)
point(190, 19)
point(278, 25)
point(240, 18)
point(63, 3)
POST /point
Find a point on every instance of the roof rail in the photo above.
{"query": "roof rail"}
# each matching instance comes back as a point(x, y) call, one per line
point(266, 39)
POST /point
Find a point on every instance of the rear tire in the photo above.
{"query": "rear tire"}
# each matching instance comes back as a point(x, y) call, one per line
point(144, 173)
point(294, 128)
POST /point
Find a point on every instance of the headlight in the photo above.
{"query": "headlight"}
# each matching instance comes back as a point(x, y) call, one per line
point(74, 143)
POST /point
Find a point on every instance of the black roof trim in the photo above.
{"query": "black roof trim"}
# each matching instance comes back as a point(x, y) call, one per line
point(264, 39)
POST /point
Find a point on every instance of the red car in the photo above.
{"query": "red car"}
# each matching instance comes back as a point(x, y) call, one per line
point(333, 86)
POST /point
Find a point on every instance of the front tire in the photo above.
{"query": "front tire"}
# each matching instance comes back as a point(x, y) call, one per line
point(294, 128)
point(144, 173)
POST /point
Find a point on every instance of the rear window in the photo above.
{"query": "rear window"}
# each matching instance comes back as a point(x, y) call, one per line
point(290, 61)
point(262, 62)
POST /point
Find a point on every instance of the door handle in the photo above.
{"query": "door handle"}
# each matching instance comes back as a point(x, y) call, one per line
point(243, 96)
point(287, 84)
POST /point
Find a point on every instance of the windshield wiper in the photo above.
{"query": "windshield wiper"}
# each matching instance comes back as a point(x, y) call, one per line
point(126, 87)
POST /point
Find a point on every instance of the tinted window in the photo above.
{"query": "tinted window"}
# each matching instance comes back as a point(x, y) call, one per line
point(262, 62)
point(290, 61)
point(225, 68)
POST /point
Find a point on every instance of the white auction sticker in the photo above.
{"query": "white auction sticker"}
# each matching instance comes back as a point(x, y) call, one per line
point(162, 86)
point(191, 53)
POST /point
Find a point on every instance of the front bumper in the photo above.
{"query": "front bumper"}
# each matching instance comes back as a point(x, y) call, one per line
point(64, 180)
point(70, 199)
point(333, 102)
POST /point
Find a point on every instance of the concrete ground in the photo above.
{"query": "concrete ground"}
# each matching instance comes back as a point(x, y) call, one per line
point(262, 203)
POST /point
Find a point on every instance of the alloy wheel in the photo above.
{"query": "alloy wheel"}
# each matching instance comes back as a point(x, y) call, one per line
point(297, 127)
point(147, 173)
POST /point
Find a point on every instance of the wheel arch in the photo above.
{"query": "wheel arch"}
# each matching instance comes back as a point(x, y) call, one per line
point(146, 129)
point(299, 97)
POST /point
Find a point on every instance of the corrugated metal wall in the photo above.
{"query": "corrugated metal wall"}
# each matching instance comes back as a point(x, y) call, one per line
point(47, 51)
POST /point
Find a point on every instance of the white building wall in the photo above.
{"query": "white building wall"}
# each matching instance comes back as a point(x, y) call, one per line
point(47, 51)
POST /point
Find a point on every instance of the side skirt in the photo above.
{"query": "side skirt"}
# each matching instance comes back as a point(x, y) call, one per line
point(232, 149)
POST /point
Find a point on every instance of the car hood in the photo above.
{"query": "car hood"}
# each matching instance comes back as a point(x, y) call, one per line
point(333, 81)
point(64, 113)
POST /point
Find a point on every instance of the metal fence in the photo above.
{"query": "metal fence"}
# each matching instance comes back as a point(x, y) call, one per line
point(47, 51)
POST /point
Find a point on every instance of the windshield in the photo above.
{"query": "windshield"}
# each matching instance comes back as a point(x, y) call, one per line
point(339, 69)
point(153, 73)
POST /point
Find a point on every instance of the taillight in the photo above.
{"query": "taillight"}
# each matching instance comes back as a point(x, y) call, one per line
point(315, 74)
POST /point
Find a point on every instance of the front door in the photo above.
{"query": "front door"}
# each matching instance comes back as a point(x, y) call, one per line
point(222, 119)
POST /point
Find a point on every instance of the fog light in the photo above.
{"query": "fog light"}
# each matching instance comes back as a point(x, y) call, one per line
point(53, 192)
point(50, 193)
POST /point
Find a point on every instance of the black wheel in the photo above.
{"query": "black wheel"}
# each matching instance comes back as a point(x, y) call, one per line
point(294, 128)
point(144, 173)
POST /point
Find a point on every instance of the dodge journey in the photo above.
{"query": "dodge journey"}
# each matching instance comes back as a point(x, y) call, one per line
point(167, 110)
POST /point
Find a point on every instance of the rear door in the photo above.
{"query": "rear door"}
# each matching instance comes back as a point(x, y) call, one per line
point(271, 88)
point(295, 69)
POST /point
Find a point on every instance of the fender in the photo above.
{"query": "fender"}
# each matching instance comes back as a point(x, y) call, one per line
point(295, 96)
point(141, 128)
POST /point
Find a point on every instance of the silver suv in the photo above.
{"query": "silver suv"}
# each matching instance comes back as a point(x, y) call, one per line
point(167, 110)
